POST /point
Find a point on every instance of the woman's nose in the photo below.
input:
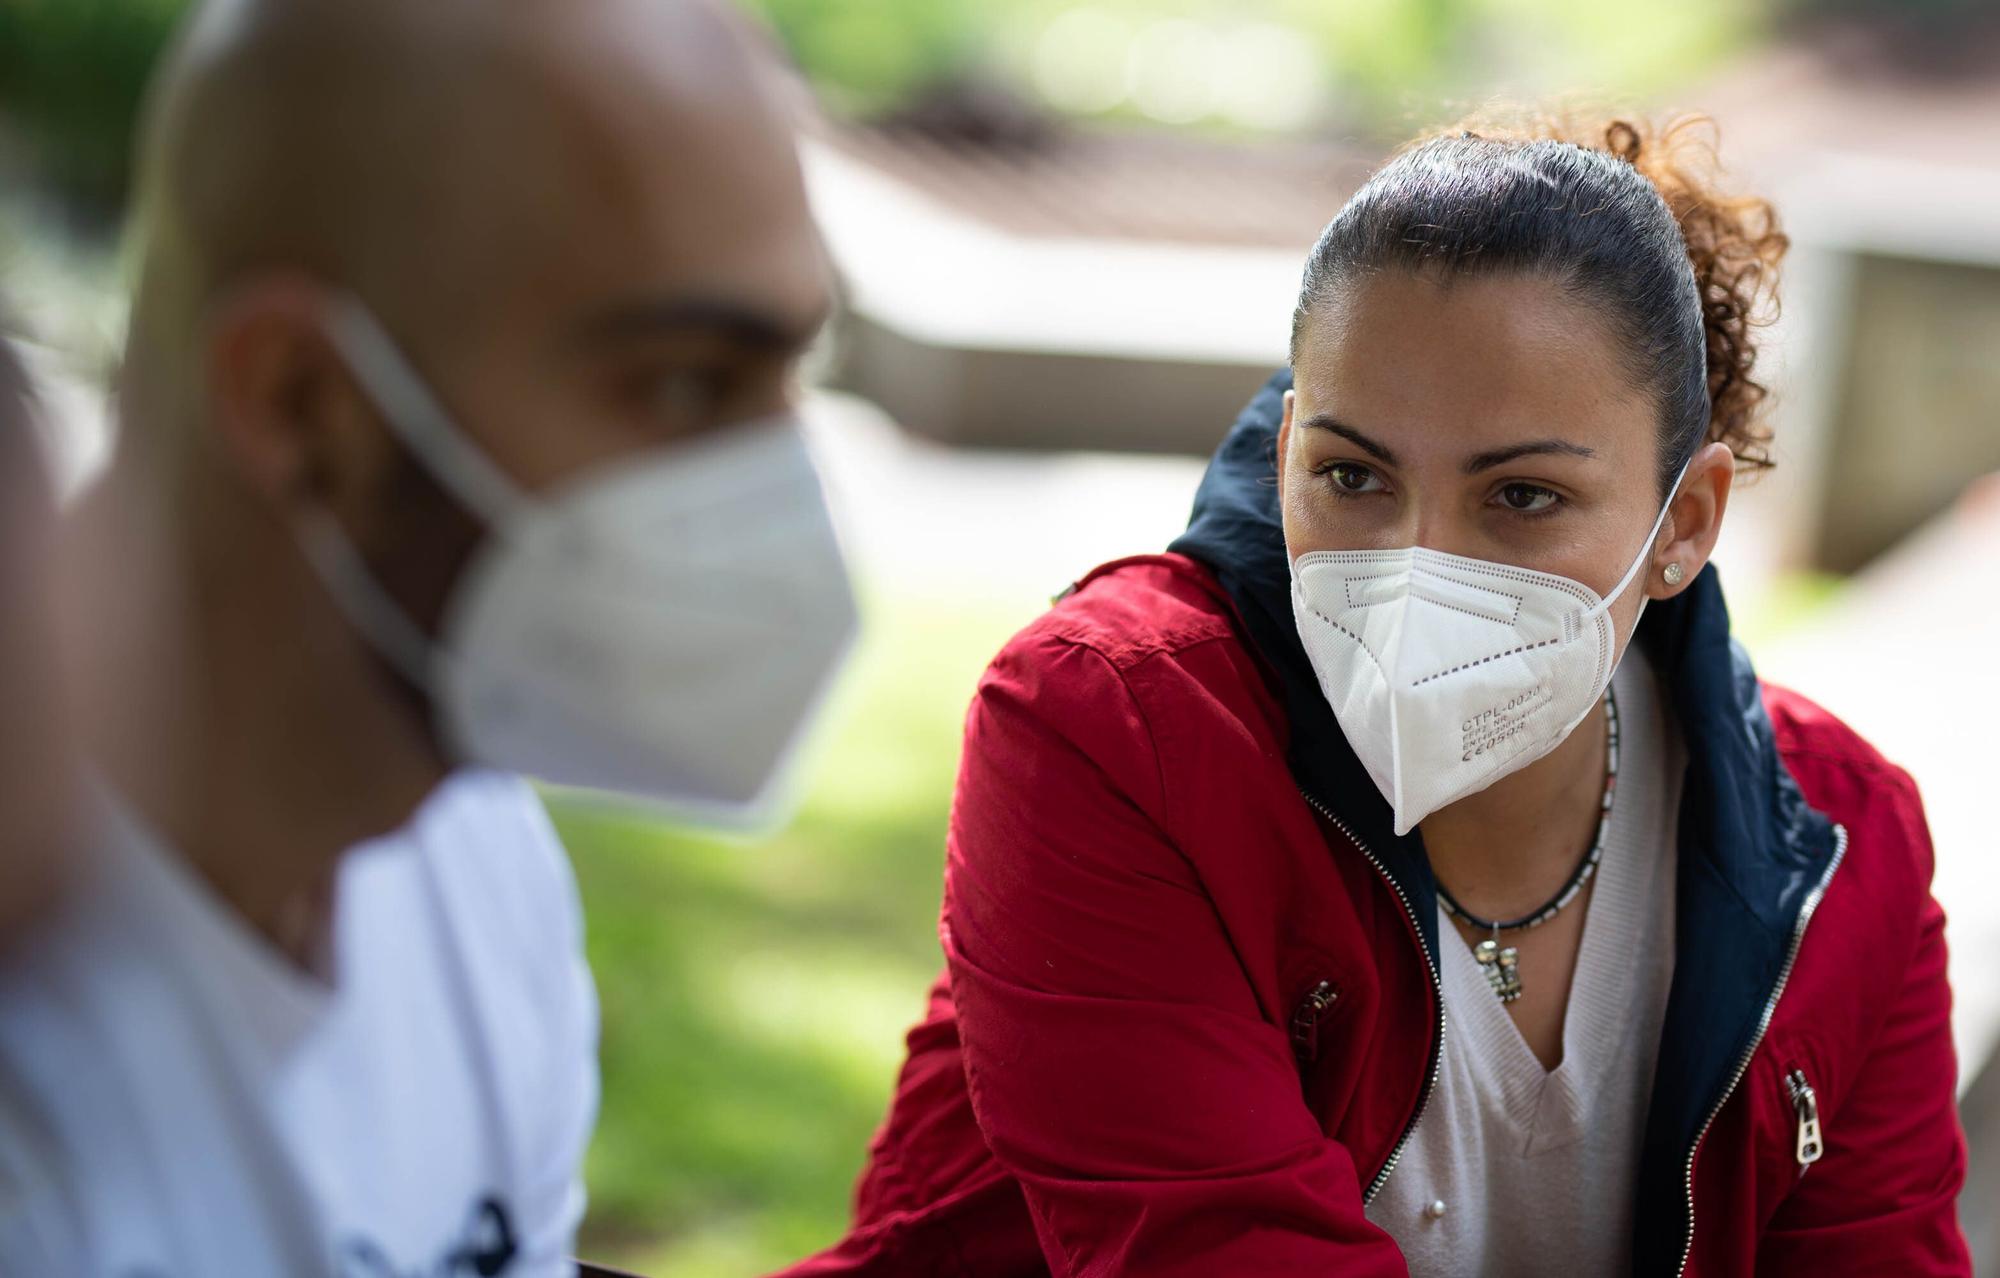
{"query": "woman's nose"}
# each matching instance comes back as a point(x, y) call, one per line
point(1430, 528)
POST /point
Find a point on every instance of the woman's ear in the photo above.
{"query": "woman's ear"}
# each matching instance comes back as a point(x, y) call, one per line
point(1694, 521)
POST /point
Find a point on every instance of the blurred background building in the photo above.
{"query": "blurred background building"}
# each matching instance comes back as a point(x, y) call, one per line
point(1069, 233)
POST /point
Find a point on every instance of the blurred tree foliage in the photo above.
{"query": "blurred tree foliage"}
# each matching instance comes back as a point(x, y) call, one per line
point(1386, 59)
point(72, 73)
point(868, 56)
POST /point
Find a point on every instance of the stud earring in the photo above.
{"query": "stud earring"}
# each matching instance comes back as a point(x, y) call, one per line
point(1673, 574)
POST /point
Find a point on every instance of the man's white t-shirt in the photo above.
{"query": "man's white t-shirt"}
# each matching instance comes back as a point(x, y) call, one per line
point(177, 1100)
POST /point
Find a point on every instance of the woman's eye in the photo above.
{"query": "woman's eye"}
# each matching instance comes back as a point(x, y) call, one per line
point(1351, 480)
point(1528, 499)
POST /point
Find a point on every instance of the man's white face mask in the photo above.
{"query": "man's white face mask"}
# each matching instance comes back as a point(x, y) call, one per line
point(665, 627)
point(1446, 673)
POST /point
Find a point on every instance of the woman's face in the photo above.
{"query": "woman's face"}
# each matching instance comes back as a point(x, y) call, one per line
point(1489, 418)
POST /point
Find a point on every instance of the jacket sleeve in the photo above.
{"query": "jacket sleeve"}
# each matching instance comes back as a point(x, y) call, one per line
point(1884, 1197)
point(1117, 1061)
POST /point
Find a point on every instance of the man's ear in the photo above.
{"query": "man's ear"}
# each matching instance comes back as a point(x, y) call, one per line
point(1694, 521)
point(283, 411)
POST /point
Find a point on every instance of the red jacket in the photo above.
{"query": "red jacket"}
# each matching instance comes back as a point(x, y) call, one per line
point(1191, 1016)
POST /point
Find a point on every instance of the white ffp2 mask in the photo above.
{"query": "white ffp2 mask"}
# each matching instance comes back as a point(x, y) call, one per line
point(665, 626)
point(1447, 673)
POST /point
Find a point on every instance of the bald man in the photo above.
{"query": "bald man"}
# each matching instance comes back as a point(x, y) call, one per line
point(457, 442)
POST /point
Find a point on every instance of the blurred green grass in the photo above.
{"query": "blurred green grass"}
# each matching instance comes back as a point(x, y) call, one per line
point(755, 996)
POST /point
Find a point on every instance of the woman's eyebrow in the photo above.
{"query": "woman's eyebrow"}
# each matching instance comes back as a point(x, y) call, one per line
point(1380, 452)
point(1501, 456)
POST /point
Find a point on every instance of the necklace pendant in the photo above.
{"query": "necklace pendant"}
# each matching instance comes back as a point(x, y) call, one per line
point(1502, 966)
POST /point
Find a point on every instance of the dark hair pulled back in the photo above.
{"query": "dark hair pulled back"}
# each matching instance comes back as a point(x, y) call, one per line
point(1624, 216)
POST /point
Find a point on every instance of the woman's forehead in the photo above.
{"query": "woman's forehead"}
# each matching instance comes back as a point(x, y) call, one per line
point(1470, 364)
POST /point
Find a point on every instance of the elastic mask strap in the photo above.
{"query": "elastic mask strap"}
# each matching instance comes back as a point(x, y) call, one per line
point(361, 599)
point(419, 420)
point(1645, 549)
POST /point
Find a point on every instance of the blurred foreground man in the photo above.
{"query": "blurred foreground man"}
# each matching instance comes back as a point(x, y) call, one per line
point(456, 431)
point(36, 773)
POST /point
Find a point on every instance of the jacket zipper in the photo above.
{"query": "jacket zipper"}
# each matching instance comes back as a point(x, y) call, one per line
point(1764, 1023)
point(1437, 992)
point(1806, 1103)
point(1305, 1021)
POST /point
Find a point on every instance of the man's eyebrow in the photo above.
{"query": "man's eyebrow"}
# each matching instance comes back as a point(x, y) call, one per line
point(1537, 447)
point(1380, 452)
point(736, 322)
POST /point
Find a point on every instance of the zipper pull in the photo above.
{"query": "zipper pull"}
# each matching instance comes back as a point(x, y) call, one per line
point(1305, 1021)
point(1810, 1147)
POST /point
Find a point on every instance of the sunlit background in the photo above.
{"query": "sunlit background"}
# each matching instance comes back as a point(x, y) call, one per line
point(1069, 234)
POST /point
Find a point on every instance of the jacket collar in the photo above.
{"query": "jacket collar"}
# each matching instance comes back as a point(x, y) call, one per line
point(1751, 849)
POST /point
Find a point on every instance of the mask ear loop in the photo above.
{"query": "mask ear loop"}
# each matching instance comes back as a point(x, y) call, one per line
point(1646, 549)
point(367, 606)
point(419, 420)
point(416, 418)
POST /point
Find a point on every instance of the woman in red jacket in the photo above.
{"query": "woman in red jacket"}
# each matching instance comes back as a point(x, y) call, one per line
point(1341, 894)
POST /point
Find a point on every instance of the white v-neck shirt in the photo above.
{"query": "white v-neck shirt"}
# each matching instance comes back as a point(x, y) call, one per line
point(1517, 1170)
point(177, 1100)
